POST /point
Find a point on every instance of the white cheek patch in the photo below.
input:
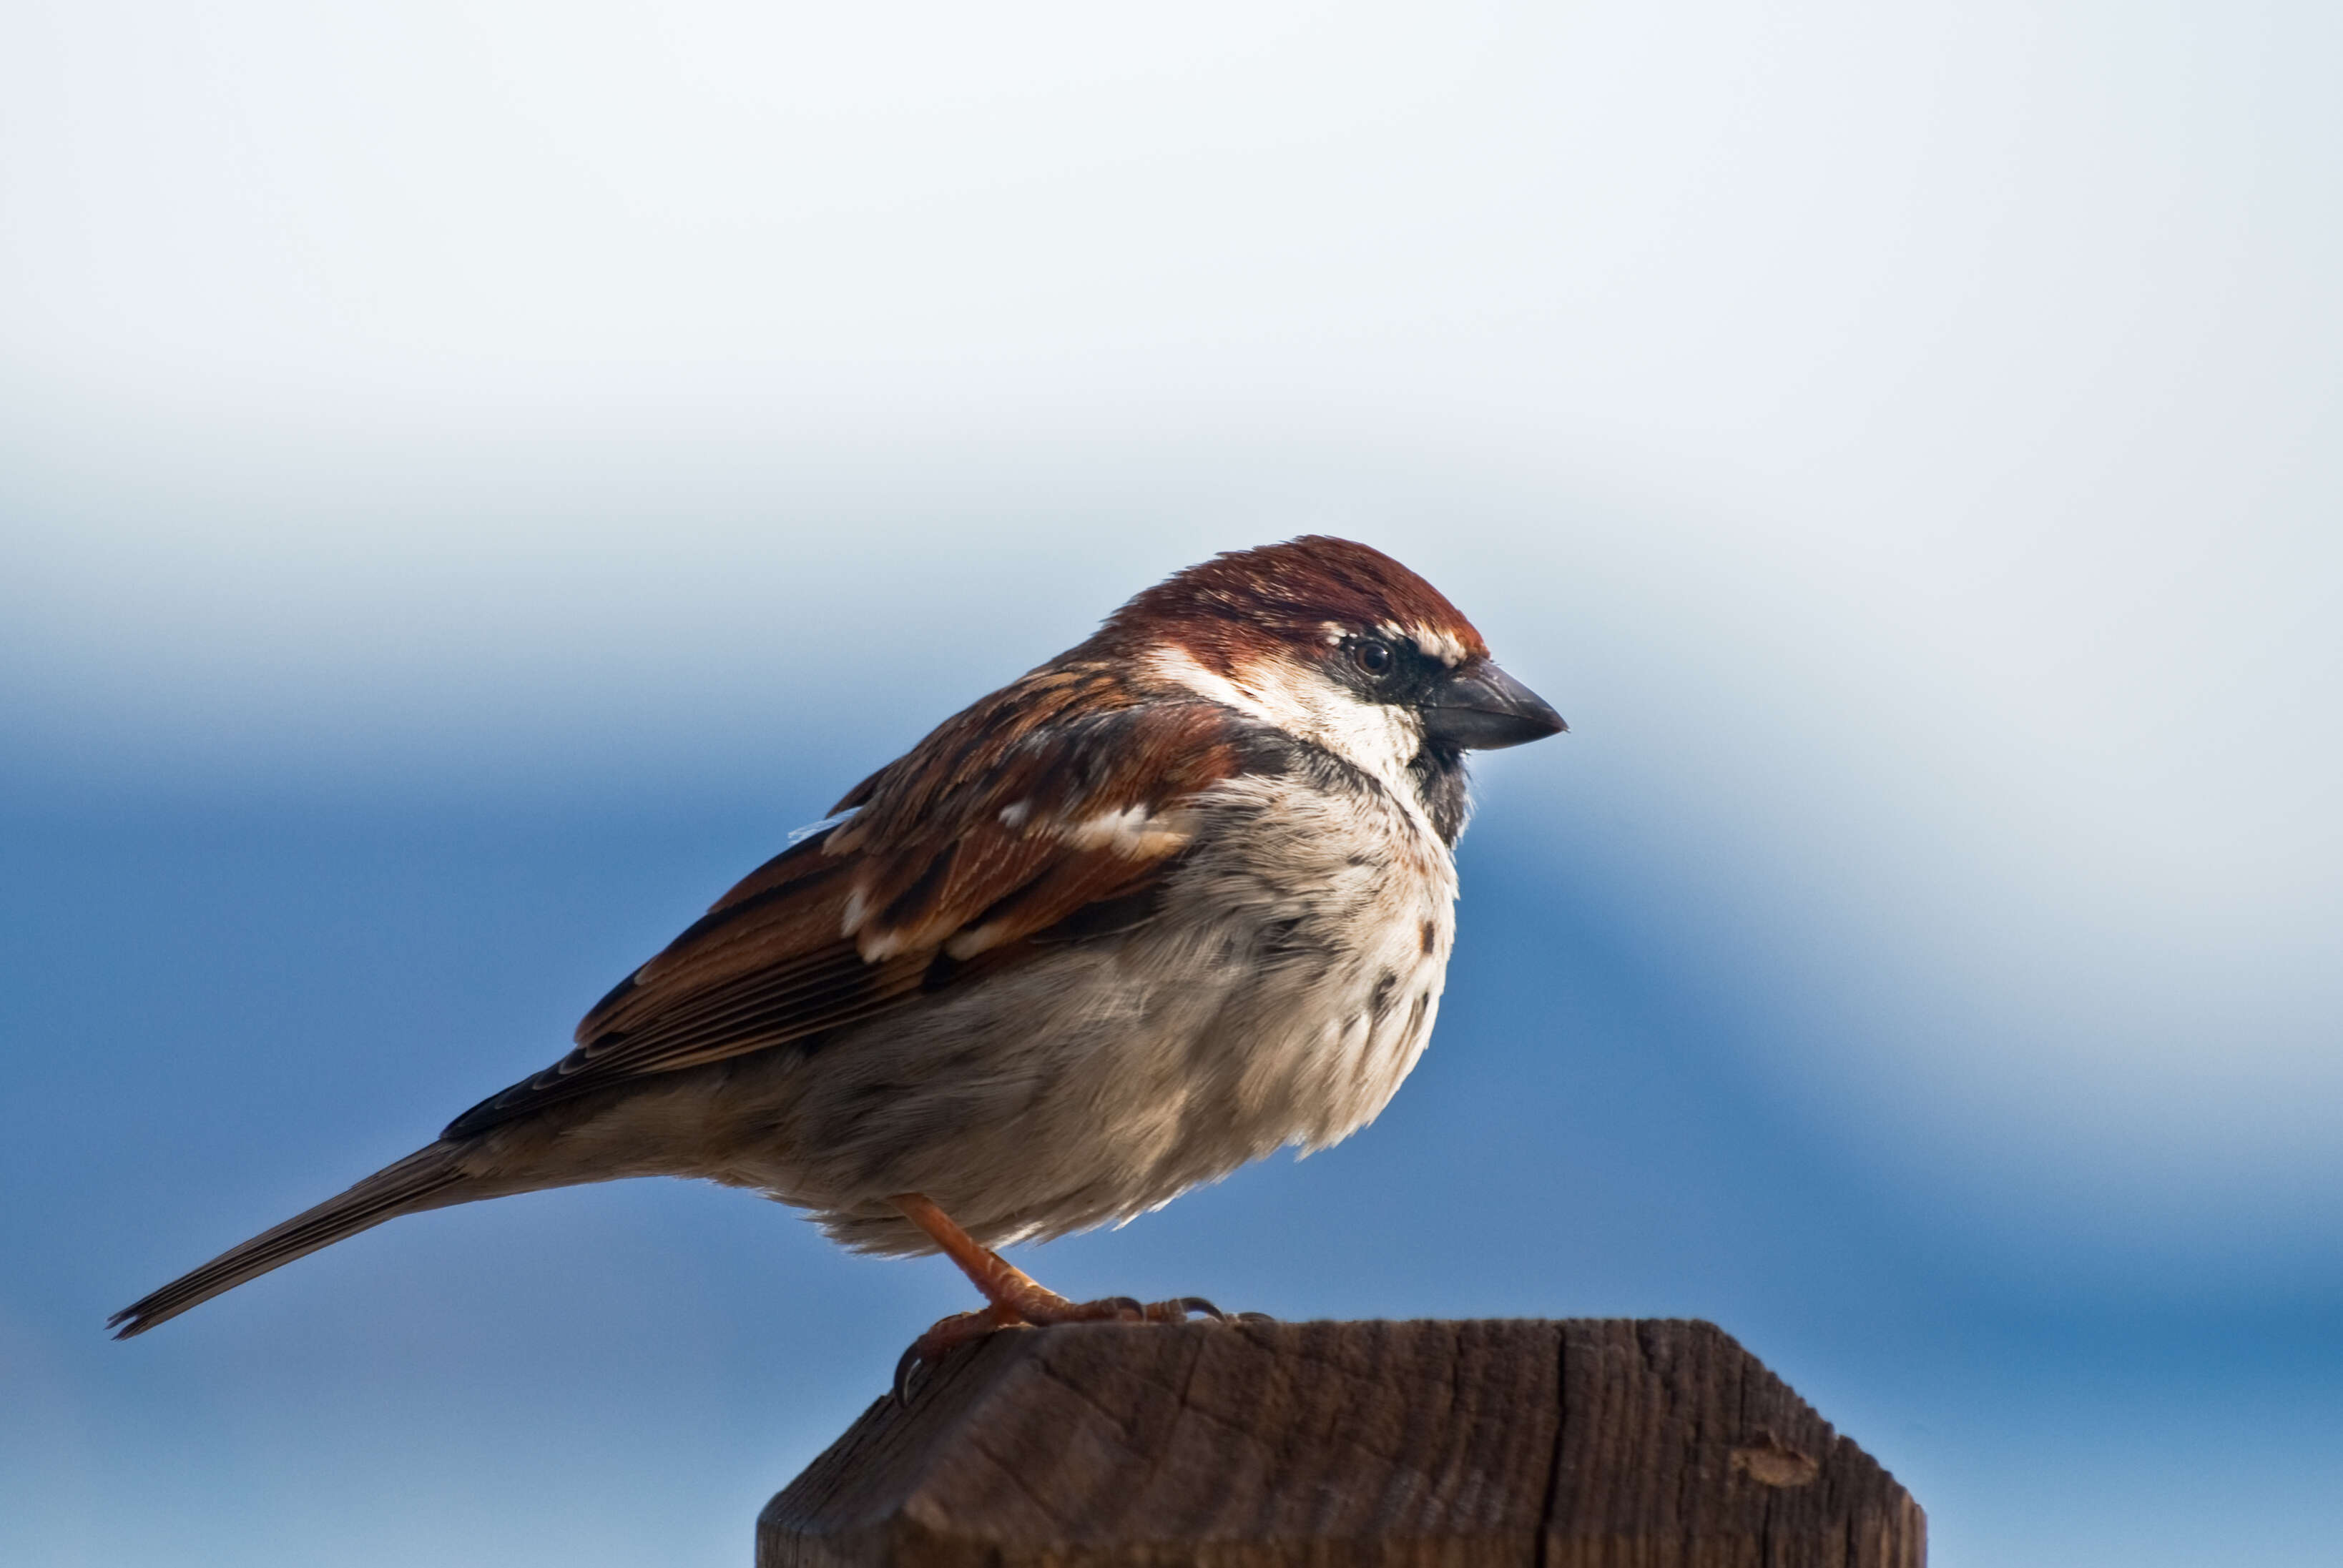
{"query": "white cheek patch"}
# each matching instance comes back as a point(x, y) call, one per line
point(1381, 738)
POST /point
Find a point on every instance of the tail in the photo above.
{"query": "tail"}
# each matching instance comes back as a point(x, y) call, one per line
point(423, 1179)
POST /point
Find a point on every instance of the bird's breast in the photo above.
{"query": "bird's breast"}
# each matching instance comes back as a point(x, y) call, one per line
point(1282, 989)
point(1333, 912)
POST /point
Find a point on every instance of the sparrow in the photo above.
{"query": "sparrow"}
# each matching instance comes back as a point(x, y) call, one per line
point(1181, 895)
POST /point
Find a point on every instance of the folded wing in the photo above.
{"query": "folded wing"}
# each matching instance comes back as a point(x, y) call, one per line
point(1047, 812)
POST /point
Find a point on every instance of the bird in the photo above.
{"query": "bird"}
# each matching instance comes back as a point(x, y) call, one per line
point(1180, 897)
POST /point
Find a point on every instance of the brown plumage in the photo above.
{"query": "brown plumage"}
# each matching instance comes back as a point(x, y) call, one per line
point(1175, 897)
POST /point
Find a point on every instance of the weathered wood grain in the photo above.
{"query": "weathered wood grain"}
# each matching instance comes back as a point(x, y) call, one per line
point(1574, 1444)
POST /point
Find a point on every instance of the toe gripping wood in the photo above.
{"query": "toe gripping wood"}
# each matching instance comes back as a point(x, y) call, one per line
point(1586, 1443)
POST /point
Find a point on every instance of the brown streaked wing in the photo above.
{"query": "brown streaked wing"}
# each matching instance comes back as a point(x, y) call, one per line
point(1043, 817)
point(970, 842)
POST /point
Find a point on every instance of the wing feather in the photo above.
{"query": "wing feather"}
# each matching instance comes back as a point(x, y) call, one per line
point(1056, 804)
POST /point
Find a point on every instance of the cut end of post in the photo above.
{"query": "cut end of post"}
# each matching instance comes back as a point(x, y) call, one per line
point(1563, 1445)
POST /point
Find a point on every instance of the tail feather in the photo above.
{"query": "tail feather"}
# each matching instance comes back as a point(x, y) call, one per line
point(421, 1181)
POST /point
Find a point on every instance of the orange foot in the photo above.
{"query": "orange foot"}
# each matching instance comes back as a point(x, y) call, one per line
point(1018, 1301)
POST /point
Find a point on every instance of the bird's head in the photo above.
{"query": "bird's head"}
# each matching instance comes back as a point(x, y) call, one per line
point(1335, 643)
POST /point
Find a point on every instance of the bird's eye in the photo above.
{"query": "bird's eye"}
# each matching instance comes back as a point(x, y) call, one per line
point(1373, 656)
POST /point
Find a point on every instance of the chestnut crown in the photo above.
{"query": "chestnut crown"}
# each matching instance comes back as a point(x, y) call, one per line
point(1299, 593)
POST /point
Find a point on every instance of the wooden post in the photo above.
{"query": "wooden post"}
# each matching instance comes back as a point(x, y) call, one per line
point(1587, 1444)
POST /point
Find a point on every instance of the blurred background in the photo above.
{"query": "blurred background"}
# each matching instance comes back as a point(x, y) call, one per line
point(474, 477)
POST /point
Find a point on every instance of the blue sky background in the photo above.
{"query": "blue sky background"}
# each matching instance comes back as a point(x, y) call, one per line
point(473, 478)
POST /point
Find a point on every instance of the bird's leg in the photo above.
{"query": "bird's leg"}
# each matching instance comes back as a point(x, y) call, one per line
point(1016, 1298)
point(1015, 1294)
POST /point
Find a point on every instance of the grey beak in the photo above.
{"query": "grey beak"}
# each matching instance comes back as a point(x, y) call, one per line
point(1482, 708)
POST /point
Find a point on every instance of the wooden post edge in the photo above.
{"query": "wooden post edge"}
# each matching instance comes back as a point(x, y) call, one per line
point(1577, 1443)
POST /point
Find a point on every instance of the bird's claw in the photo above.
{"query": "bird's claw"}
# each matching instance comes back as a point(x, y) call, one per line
point(909, 1372)
point(1179, 1309)
point(929, 1350)
point(1105, 1309)
point(930, 1347)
